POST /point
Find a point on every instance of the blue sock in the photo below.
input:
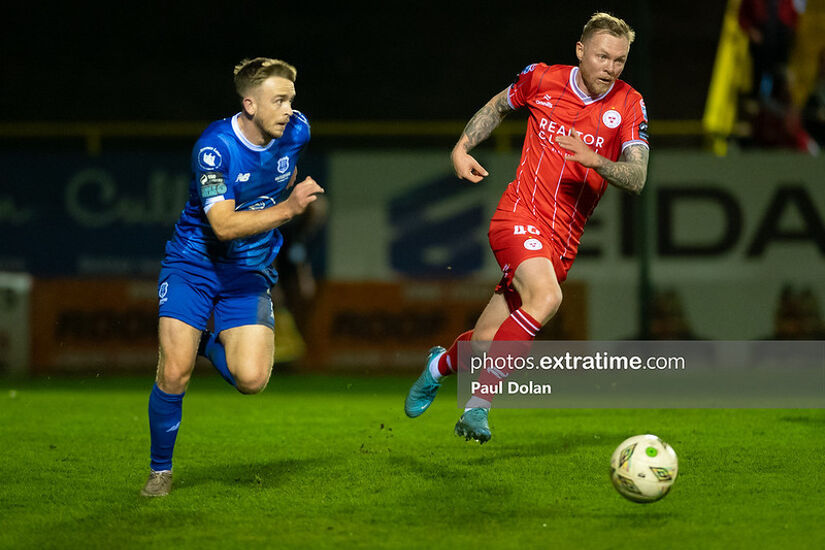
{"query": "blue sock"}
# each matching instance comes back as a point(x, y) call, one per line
point(165, 412)
point(212, 349)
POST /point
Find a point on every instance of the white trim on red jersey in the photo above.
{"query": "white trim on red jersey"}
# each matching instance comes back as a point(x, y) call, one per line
point(627, 144)
point(583, 95)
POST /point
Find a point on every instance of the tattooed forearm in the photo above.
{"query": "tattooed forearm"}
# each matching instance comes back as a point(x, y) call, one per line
point(631, 172)
point(486, 120)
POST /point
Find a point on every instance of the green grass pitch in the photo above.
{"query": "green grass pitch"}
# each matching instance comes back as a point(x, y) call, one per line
point(332, 462)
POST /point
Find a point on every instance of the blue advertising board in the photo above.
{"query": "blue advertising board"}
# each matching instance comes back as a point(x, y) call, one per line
point(67, 214)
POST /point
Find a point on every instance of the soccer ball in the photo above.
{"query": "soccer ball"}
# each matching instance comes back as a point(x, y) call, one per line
point(643, 468)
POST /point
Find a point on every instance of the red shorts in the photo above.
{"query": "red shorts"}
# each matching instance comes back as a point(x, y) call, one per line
point(518, 238)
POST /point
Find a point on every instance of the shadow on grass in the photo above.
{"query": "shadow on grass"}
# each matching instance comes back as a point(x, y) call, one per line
point(813, 421)
point(643, 518)
point(489, 454)
point(260, 474)
point(118, 517)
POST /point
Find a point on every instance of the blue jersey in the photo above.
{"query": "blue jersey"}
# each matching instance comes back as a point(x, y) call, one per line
point(227, 166)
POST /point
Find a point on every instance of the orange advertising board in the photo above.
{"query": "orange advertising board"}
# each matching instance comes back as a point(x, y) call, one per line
point(110, 325)
point(106, 325)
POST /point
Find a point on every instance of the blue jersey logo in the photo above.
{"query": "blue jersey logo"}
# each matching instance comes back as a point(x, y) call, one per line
point(283, 164)
point(209, 158)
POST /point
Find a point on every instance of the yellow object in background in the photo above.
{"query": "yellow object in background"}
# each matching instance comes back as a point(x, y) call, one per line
point(289, 344)
point(731, 76)
point(733, 65)
point(810, 40)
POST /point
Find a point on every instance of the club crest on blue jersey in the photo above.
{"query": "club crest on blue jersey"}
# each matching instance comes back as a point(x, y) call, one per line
point(283, 164)
point(209, 158)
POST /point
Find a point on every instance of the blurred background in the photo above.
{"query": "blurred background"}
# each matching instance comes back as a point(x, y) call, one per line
point(100, 108)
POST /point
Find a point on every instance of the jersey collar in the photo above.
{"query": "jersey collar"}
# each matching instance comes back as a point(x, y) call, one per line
point(581, 93)
point(242, 138)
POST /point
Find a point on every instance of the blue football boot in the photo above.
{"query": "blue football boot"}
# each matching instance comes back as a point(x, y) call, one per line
point(423, 391)
point(473, 425)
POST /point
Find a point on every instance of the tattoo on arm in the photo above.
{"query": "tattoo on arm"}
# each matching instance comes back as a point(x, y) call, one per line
point(629, 173)
point(486, 120)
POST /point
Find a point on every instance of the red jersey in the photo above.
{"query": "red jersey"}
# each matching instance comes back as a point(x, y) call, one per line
point(557, 193)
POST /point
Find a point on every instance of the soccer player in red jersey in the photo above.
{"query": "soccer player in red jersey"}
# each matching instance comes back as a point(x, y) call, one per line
point(586, 129)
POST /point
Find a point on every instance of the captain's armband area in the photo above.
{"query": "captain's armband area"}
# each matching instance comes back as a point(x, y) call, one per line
point(211, 185)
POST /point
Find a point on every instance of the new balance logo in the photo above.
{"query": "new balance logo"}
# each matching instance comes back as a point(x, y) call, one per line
point(243, 177)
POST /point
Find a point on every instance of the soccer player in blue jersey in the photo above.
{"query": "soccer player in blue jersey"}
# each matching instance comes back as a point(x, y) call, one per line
point(218, 262)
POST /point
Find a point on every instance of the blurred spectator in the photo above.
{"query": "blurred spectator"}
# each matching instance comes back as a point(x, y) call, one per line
point(778, 122)
point(813, 115)
point(296, 277)
point(770, 26)
point(293, 298)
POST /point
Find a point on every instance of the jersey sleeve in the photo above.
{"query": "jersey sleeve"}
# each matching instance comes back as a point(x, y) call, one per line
point(304, 131)
point(525, 86)
point(210, 165)
point(634, 126)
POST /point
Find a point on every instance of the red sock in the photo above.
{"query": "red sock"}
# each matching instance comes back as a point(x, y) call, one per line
point(448, 363)
point(518, 327)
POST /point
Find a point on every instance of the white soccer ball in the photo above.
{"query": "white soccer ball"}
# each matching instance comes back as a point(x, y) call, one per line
point(643, 468)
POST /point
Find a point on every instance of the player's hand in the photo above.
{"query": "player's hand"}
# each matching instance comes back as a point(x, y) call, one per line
point(466, 167)
point(304, 194)
point(578, 150)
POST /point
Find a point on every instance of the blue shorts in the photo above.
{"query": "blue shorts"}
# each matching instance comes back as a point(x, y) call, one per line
point(235, 298)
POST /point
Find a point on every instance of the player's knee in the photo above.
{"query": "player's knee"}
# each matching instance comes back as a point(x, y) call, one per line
point(173, 381)
point(252, 382)
point(172, 377)
point(552, 302)
point(543, 304)
point(250, 387)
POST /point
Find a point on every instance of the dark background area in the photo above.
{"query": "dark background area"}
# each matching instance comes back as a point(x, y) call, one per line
point(356, 61)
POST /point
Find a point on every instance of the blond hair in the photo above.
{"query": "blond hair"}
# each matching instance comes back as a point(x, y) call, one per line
point(250, 73)
point(604, 22)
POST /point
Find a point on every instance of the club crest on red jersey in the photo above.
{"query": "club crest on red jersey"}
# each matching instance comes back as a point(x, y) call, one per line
point(612, 118)
point(533, 244)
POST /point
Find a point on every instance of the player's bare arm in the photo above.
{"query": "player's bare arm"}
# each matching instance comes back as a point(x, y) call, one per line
point(628, 173)
point(228, 224)
point(479, 128)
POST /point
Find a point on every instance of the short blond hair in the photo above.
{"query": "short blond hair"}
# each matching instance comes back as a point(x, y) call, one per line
point(250, 73)
point(604, 22)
